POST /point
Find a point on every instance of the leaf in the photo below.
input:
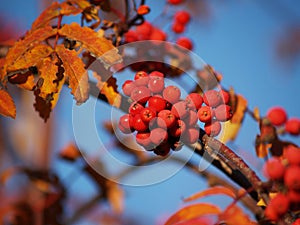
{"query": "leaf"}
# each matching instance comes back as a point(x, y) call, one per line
point(23, 45)
point(23, 80)
point(99, 46)
point(75, 71)
point(42, 106)
point(109, 89)
point(54, 11)
point(7, 105)
point(234, 215)
point(115, 196)
point(212, 191)
point(31, 58)
point(193, 211)
point(83, 4)
point(262, 149)
point(231, 128)
point(70, 152)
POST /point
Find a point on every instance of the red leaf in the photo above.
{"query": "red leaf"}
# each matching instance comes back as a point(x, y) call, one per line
point(217, 190)
point(7, 105)
point(192, 212)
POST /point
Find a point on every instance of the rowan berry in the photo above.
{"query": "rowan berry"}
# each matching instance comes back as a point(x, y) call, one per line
point(180, 109)
point(292, 126)
point(296, 222)
point(185, 43)
point(158, 136)
point(191, 119)
point(191, 135)
point(139, 124)
point(168, 118)
point(140, 94)
point(126, 124)
point(172, 94)
point(157, 103)
point(135, 108)
point(141, 78)
point(274, 169)
point(127, 87)
point(147, 114)
point(223, 112)
point(213, 128)
point(291, 177)
point(158, 35)
point(178, 129)
point(205, 114)
point(212, 98)
point(178, 27)
point(175, 2)
point(131, 36)
point(182, 17)
point(156, 84)
point(143, 139)
point(292, 154)
point(277, 116)
point(194, 101)
point(225, 96)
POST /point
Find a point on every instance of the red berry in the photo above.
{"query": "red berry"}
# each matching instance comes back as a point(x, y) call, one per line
point(174, 2)
point(158, 35)
point(274, 169)
point(135, 108)
point(213, 128)
point(292, 126)
point(158, 135)
point(280, 203)
point(131, 36)
point(180, 109)
point(156, 84)
point(185, 43)
point(157, 103)
point(140, 94)
point(191, 119)
point(143, 138)
point(191, 135)
point(277, 116)
point(168, 119)
point(126, 124)
point(172, 94)
point(127, 87)
point(157, 122)
point(147, 114)
point(292, 154)
point(178, 129)
point(296, 222)
point(139, 124)
point(205, 114)
point(294, 196)
point(212, 98)
point(225, 96)
point(223, 112)
point(271, 214)
point(178, 27)
point(141, 78)
point(291, 177)
point(162, 149)
point(194, 101)
point(182, 17)
point(156, 74)
point(144, 30)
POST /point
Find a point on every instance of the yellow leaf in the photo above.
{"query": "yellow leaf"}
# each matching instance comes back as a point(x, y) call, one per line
point(212, 191)
point(109, 89)
point(193, 211)
point(75, 71)
point(7, 105)
point(232, 127)
point(99, 46)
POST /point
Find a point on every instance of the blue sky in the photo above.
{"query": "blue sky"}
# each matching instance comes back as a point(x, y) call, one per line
point(239, 40)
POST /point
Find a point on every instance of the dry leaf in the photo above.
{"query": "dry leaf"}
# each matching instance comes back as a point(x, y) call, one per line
point(99, 46)
point(115, 196)
point(75, 71)
point(233, 215)
point(193, 211)
point(7, 105)
point(70, 152)
point(212, 191)
point(42, 106)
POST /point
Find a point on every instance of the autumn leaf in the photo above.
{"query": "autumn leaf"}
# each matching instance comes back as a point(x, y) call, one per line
point(193, 211)
point(102, 48)
point(75, 71)
point(42, 106)
point(31, 58)
point(109, 89)
point(22, 46)
point(7, 105)
point(83, 4)
point(54, 11)
point(212, 191)
point(115, 196)
point(70, 152)
point(233, 215)
point(231, 128)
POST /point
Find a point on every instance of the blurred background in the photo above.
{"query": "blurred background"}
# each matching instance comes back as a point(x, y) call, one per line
point(255, 45)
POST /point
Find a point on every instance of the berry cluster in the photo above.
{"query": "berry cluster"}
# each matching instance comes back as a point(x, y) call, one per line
point(278, 117)
point(163, 120)
point(285, 173)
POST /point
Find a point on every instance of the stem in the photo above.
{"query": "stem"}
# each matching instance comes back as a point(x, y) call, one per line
point(59, 19)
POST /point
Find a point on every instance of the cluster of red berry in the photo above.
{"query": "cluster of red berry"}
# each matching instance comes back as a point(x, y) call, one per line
point(284, 172)
point(162, 120)
point(278, 117)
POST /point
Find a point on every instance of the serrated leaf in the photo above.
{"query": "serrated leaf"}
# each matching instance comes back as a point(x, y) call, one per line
point(217, 190)
point(22, 46)
point(48, 71)
point(109, 89)
point(31, 58)
point(75, 71)
point(7, 105)
point(193, 211)
point(54, 11)
point(231, 128)
point(233, 215)
point(99, 46)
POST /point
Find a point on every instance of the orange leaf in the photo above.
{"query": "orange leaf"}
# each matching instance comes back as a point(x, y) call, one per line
point(75, 71)
point(31, 58)
point(54, 11)
point(83, 4)
point(70, 152)
point(99, 46)
point(115, 196)
point(212, 191)
point(193, 211)
point(234, 215)
point(7, 105)
point(22, 46)
point(109, 89)
point(231, 128)
point(262, 149)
